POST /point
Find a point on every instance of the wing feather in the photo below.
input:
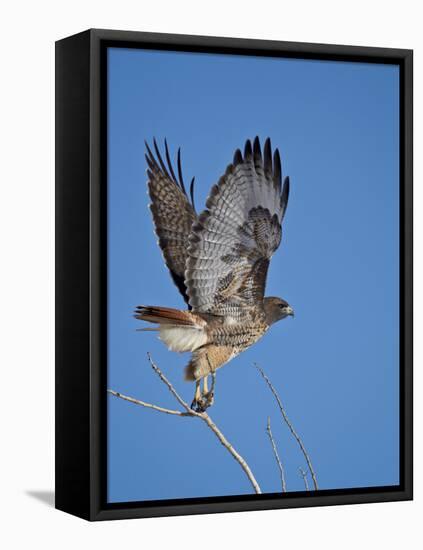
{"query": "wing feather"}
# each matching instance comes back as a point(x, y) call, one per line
point(173, 212)
point(233, 240)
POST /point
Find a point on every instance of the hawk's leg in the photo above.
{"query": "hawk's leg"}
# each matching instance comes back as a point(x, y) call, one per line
point(208, 396)
point(197, 402)
point(203, 399)
point(197, 395)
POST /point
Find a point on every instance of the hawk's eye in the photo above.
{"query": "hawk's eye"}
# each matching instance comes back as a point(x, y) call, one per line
point(281, 306)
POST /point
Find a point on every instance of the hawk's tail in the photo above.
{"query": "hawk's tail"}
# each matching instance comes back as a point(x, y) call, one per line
point(164, 315)
point(179, 330)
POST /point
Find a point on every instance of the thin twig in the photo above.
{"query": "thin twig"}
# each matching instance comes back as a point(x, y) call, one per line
point(277, 458)
point(290, 426)
point(190, 413)
point(170, 387)
point(304, 476)
point(148, 405)
point(206, 418)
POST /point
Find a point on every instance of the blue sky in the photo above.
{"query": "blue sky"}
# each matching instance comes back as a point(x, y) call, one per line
point(336, 364)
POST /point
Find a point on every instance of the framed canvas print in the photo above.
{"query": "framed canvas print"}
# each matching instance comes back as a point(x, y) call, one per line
point(234, 274)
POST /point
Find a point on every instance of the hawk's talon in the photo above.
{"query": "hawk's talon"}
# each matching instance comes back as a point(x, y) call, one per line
point(208, 398)
point(197, 406)
point(201, 404)
point(194, 405)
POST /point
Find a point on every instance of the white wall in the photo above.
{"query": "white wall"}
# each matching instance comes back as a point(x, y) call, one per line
point(27, 37)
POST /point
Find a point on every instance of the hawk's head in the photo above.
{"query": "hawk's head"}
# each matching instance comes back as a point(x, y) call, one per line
point(276, 309)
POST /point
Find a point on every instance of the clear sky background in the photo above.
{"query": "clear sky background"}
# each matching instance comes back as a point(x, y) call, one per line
point(336, 364)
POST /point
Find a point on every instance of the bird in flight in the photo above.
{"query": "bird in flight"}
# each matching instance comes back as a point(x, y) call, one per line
point(218, 259)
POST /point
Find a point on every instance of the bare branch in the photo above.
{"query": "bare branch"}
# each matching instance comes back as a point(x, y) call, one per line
point(148, 405)
point(206, 418)
point(304, 476)
point(170, 387)
point(275, 452)
point(290, 426)
point(190, 413)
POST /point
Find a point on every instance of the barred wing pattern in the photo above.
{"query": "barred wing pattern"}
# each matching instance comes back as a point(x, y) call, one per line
point(173, 212)
point(234, 238)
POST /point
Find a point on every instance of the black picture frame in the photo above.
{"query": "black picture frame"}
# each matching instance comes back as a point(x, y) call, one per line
point(81, 273)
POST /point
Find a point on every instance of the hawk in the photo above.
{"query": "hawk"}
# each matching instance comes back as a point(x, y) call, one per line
point(218, 259)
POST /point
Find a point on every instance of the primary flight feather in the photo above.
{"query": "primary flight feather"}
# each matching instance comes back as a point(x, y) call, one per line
point(219, 259)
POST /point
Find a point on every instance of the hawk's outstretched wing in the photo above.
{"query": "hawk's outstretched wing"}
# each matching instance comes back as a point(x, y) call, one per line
point(173, 212)
point(234, 238)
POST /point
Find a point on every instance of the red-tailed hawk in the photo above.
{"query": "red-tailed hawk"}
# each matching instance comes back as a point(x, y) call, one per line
point(219, 259)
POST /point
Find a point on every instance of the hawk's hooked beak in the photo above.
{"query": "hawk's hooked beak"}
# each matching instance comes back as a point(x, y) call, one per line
point(290, 311)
